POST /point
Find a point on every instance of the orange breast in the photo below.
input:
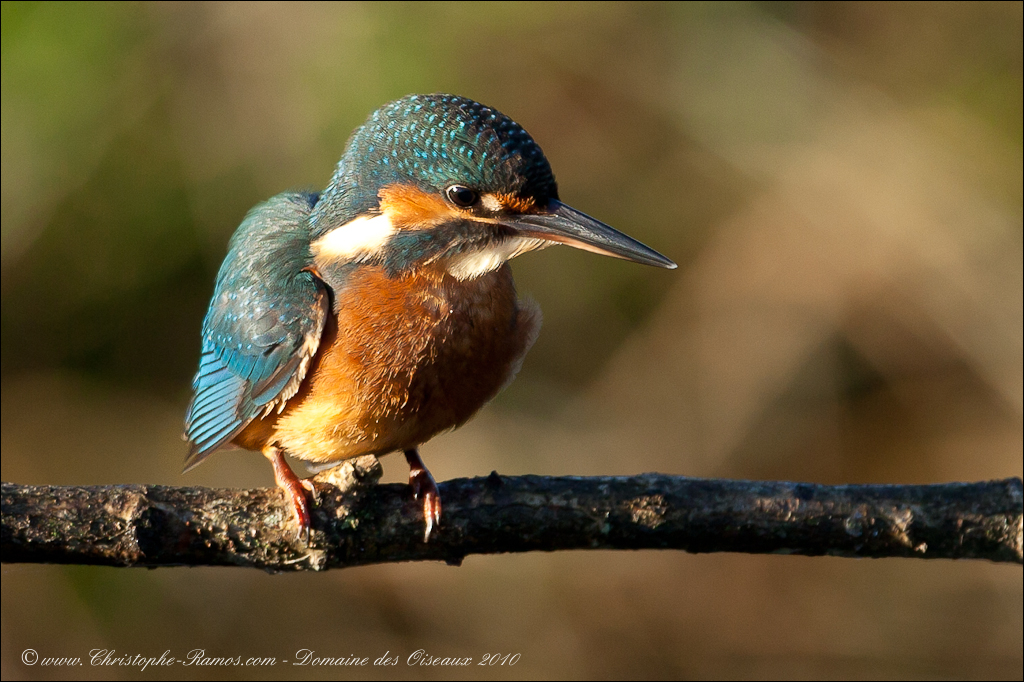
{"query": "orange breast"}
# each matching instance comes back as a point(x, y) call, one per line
point(404, 359)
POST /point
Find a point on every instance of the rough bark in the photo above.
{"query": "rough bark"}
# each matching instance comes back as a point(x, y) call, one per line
point(357, 522)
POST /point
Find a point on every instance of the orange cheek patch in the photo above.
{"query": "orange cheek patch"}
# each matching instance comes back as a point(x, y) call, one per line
point(517, 204)
point(409, 207)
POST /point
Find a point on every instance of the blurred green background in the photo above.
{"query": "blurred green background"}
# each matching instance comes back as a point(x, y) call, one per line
point(841, 185)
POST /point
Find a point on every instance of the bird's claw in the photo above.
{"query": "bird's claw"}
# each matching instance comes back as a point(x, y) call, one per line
point(295, 490)
point(311, 489)
point(424, 490)
point(300, 504)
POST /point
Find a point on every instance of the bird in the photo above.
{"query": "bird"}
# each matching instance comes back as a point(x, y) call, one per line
point(373, 315)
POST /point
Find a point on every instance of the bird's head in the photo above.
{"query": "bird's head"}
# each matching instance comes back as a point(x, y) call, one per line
point(443, 181)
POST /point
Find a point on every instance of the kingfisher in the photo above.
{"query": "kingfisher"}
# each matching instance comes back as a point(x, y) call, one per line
point(369, 317)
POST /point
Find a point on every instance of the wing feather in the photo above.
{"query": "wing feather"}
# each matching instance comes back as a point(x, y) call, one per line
point(263, 326)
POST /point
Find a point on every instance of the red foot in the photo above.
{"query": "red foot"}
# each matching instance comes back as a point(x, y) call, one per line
point(294, 489)
point(424, 487)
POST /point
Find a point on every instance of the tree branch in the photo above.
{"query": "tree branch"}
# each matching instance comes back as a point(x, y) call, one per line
point(361, 523)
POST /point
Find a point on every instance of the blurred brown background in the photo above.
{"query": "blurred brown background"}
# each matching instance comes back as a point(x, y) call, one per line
point(840, 184)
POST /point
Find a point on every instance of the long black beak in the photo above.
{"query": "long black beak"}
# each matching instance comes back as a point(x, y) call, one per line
point(565, 225)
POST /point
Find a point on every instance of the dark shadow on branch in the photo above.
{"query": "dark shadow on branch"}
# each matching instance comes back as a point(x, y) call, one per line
point(357, 522)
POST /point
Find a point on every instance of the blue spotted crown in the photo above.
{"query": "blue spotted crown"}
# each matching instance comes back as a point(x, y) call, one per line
point(437, 141)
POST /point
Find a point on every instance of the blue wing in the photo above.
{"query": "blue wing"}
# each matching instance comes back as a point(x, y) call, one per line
point(263, 326)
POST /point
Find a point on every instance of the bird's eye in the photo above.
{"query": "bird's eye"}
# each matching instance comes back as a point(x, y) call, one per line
point(462, 196)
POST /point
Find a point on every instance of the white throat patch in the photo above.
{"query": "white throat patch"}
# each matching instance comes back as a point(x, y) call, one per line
point(356, 240)
point(472, 264)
